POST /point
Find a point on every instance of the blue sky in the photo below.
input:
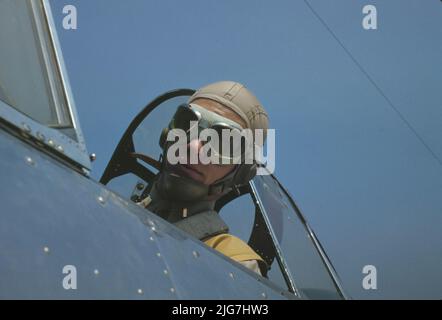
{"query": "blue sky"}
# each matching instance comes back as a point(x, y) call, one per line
point(367, 184)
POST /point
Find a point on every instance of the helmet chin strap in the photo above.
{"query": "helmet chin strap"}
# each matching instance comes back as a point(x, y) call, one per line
point(178, 188)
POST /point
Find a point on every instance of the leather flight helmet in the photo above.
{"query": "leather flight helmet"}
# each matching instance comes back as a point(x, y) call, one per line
point(239, 99)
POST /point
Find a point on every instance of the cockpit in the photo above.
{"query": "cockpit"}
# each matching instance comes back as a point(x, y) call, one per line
point(35, 97)
point(261, 212)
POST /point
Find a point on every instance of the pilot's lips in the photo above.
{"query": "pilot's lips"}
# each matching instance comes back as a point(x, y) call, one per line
point(189, 171)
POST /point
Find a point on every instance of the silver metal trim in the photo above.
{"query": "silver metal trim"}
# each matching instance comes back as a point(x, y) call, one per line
point(48, 59)
point(62, 71)
point(55, 141)
point(326, 260)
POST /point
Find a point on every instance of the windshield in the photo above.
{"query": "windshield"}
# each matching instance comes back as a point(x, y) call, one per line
point(24, 81)
point(311, 276)
point(145, 139)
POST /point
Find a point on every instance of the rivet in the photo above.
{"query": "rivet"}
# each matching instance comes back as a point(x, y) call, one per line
point(46, 250)
point(60, 148)
point(151, 238)
point(40, 136)
point(231, 275)
point(196, 254)
point(158, 255)
point(96, 272)
point(172, 290)
point(140, 186)
point(264, 295)
point(139, 291)
point(101, 200)
point(51, 142)
point(92, 156)
point(26, 127)
point(165, 272)
point(152, 226)
point(30, 161)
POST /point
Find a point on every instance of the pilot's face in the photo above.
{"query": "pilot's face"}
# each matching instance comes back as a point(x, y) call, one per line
point(208, 173)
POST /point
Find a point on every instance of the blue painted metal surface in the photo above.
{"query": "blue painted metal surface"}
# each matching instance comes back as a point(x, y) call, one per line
point(52, 216)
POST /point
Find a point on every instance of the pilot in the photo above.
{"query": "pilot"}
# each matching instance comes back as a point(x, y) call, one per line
point(185, 194)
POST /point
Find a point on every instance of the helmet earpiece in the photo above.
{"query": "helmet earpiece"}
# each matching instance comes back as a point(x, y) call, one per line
point(245, 173)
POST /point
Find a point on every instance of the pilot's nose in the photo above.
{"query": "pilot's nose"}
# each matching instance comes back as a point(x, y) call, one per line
point(194, 147)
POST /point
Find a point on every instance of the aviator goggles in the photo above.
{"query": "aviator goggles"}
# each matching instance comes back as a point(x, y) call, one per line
point(231, 144)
